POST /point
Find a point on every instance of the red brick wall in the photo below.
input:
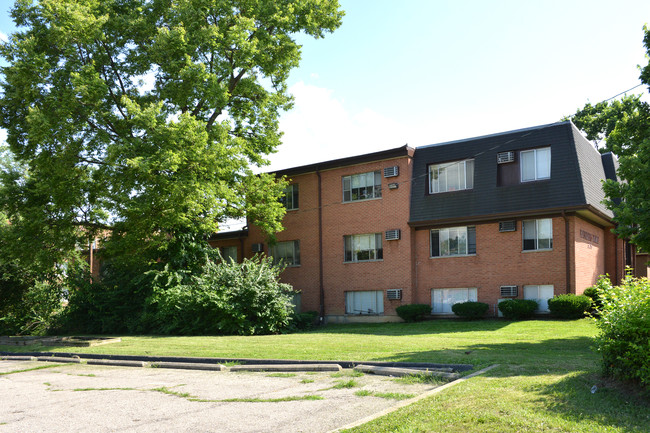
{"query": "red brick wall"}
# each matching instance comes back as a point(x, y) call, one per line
point(391, 211)
point(362, 217)
point(589, 249)
point(499, 261)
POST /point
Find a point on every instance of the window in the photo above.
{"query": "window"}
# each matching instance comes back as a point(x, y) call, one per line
point(287, 253)
point(366, 302)
point(541, 294)
point(363, 248)
point(453, 241)
point(443, 299)
point(451, 176)
point(363, 186)
point(538, 234)
point(290, 198)
point(536, 164)
point(229, 253)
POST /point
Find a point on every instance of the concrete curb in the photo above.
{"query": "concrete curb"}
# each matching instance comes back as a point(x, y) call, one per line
point(287, 367)
point(117, 363)
point(409, 402)
point(18, 358)
point(58, 359)
point(399, 372)
point(247, 361)
point(187, 366)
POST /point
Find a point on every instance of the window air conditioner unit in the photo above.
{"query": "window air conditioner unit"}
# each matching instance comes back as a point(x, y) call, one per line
point(393, 294)
point(392, 235)
point(508, 226)
point(508, 291)
point(258, 248)
point(505, 157)
point(391, 171)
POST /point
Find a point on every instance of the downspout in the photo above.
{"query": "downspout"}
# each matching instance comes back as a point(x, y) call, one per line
point(567, 252)
point(616, 278)
point(321, 311)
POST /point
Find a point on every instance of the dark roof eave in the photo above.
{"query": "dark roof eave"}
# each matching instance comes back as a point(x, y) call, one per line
point(518, 214)
point(236, 234)
point(351, 160)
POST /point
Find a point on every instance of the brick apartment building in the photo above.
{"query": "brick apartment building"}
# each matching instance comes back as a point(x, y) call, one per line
point(510, 215)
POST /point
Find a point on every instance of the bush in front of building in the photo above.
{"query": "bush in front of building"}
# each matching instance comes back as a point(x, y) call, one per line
point(517, 309)
point(470, 310)
point(303, 321)
point(413, 312)
point(602, 285)
point(624, 325)
point(226, 298)
point(569, 306)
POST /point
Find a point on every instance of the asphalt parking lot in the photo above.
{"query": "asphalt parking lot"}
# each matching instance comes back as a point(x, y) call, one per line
point(82, 398)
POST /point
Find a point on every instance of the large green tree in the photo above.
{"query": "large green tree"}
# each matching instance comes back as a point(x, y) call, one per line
point(624, 128)
point(141, 120)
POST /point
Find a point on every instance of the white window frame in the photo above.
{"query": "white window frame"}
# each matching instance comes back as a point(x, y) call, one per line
point(536, 238)
point(534, 292)
point(542, 169)
point(355, 245)
point(361, 181)
point(444, 234)
point(364, 302)
point(279, 253)
point(443, 299)
point(227, 253)
point(464, 176)
point(291, 197)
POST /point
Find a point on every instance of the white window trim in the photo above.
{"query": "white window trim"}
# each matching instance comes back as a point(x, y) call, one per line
point(290, 189)
point(537, 287)
point(294, 243)
point(379, 301)
point(377, 193)
point(532, 250)
point(468, 254)
point(376, 235)
point(464, 165)
point(521, 165)
point(472, 295)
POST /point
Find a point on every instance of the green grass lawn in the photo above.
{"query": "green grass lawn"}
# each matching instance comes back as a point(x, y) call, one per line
point(547, 369)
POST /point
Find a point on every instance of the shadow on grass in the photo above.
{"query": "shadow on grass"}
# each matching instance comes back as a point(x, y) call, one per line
point(436, 326)
point(526, 358)
point(611, 405)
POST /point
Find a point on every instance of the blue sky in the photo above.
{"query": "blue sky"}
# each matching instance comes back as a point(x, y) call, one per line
point(424, 72)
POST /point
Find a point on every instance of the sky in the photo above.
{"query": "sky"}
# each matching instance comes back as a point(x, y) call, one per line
point(422, 72)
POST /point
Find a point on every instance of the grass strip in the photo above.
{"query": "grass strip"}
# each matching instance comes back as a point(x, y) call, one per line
point(387, 395)
point(40, 367)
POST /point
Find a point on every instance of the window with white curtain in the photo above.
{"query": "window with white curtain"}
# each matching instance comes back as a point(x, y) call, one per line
point(364, 302)
point(443, 299)
point(541, 294)
point(451, 176)
point(535, 164)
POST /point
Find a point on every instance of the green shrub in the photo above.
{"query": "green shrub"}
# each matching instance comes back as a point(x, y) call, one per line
point(516, 309)
point(603, 284)
point(413, 312)
point(470, 309)
point(624, 325)
point(302, 321)
point(569, 306)
point(226, 298)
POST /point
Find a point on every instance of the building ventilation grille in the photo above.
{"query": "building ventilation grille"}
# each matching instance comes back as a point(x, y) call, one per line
point(391, 171)
point(258, 248)
point(392, 235)
point(505, 157)
point(508, 291)
point(394, 294)
point(507, 226)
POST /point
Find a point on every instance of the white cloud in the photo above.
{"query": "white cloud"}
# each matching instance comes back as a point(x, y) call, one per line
point(3, 136)
point(320, 127)
point(4, 37)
